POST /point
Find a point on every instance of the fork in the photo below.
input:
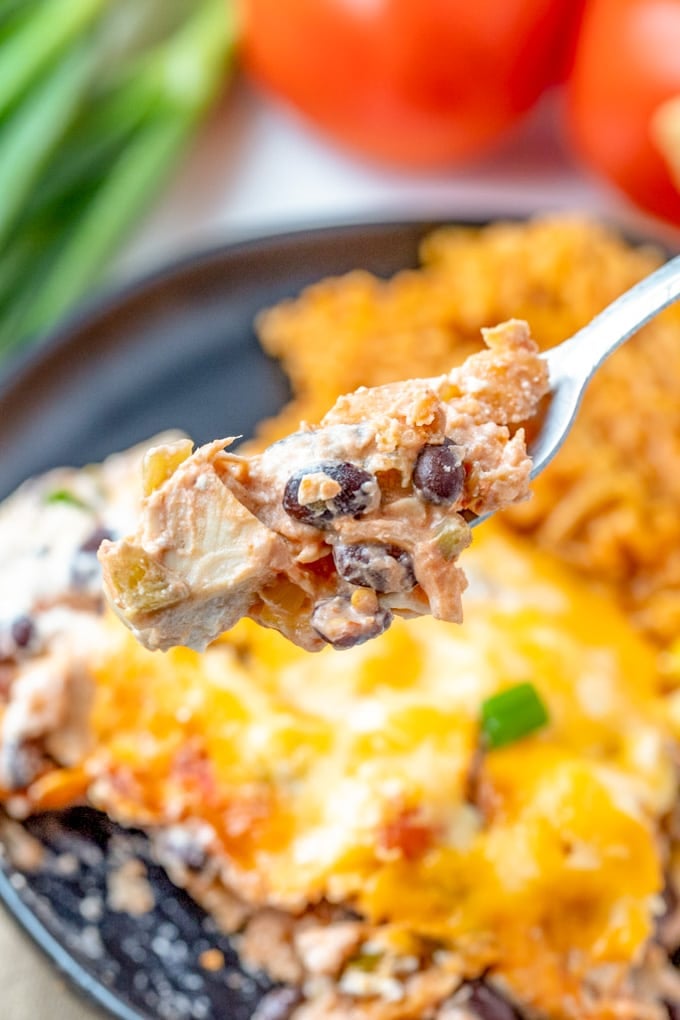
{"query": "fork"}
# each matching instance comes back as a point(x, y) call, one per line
point(573, 363)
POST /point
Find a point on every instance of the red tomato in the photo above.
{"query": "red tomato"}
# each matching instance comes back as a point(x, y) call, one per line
point(406, 836)
point(626, 67)
point(412, 82)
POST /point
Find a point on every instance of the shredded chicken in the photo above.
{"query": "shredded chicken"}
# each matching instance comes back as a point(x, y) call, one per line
point(330, 532)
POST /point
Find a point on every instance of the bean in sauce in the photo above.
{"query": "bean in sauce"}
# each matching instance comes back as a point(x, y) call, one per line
point(93, 541)
point(85, 568)
point(384, 568)
point(279, 1004)
point(22, 631)
point(342, 626)
point(359, 492)
point(439, 473)
point(487, 1003)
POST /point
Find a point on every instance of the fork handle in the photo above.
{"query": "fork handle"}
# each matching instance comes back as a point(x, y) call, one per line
point(581, 355)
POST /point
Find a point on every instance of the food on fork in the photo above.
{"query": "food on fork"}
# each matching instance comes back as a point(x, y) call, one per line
point(331, 532)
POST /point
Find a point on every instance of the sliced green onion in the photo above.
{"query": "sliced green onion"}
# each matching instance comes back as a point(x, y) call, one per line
point(67, 497)
point(72, 188)
point(29, 136)
point(11, 17)
point(511, 715)
point(46, 30)
point(97, 234)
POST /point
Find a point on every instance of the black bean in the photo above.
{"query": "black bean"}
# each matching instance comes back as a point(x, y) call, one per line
point(279, 1004)
point(93, 541)
point(671, 900)
point(358, 492)
point(338, 622)
point(375, 565)
point(487, 1003)
point(439, 474)
point(670, 905)
point(23, 631)
point(20, 763)
point(85, 572)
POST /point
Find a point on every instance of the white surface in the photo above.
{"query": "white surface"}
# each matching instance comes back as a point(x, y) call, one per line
point(255, 170)
point(258, 169)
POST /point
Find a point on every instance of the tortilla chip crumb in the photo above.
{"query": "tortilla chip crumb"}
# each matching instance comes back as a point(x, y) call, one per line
point(212, 959)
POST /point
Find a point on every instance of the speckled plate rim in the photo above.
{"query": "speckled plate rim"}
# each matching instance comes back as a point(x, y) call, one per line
point(87, 985)
point(22, 361)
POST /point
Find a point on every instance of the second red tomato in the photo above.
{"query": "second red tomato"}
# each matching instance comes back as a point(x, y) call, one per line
point(408, 82)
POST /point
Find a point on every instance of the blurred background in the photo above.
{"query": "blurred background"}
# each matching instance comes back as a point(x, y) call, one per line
point(135, 131)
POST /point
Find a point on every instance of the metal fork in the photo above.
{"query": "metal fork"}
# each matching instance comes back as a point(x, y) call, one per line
point(574, 362)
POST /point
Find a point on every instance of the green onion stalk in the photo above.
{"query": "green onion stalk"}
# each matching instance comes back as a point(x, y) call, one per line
point(511, 715)
point(98, 99)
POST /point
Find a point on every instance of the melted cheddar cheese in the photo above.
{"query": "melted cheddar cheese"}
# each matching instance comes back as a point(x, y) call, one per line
point(358, 777)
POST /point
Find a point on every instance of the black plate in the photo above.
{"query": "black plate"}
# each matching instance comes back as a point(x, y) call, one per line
point(174, 350)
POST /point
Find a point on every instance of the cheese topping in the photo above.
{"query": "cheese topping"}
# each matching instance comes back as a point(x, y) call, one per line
point(361, 779)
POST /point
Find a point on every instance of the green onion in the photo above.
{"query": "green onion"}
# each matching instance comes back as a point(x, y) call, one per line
point(29, 136)
point(511, 715)
point(45, 30)
point(185, 85)
point(67, 497)
point(92, 122)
